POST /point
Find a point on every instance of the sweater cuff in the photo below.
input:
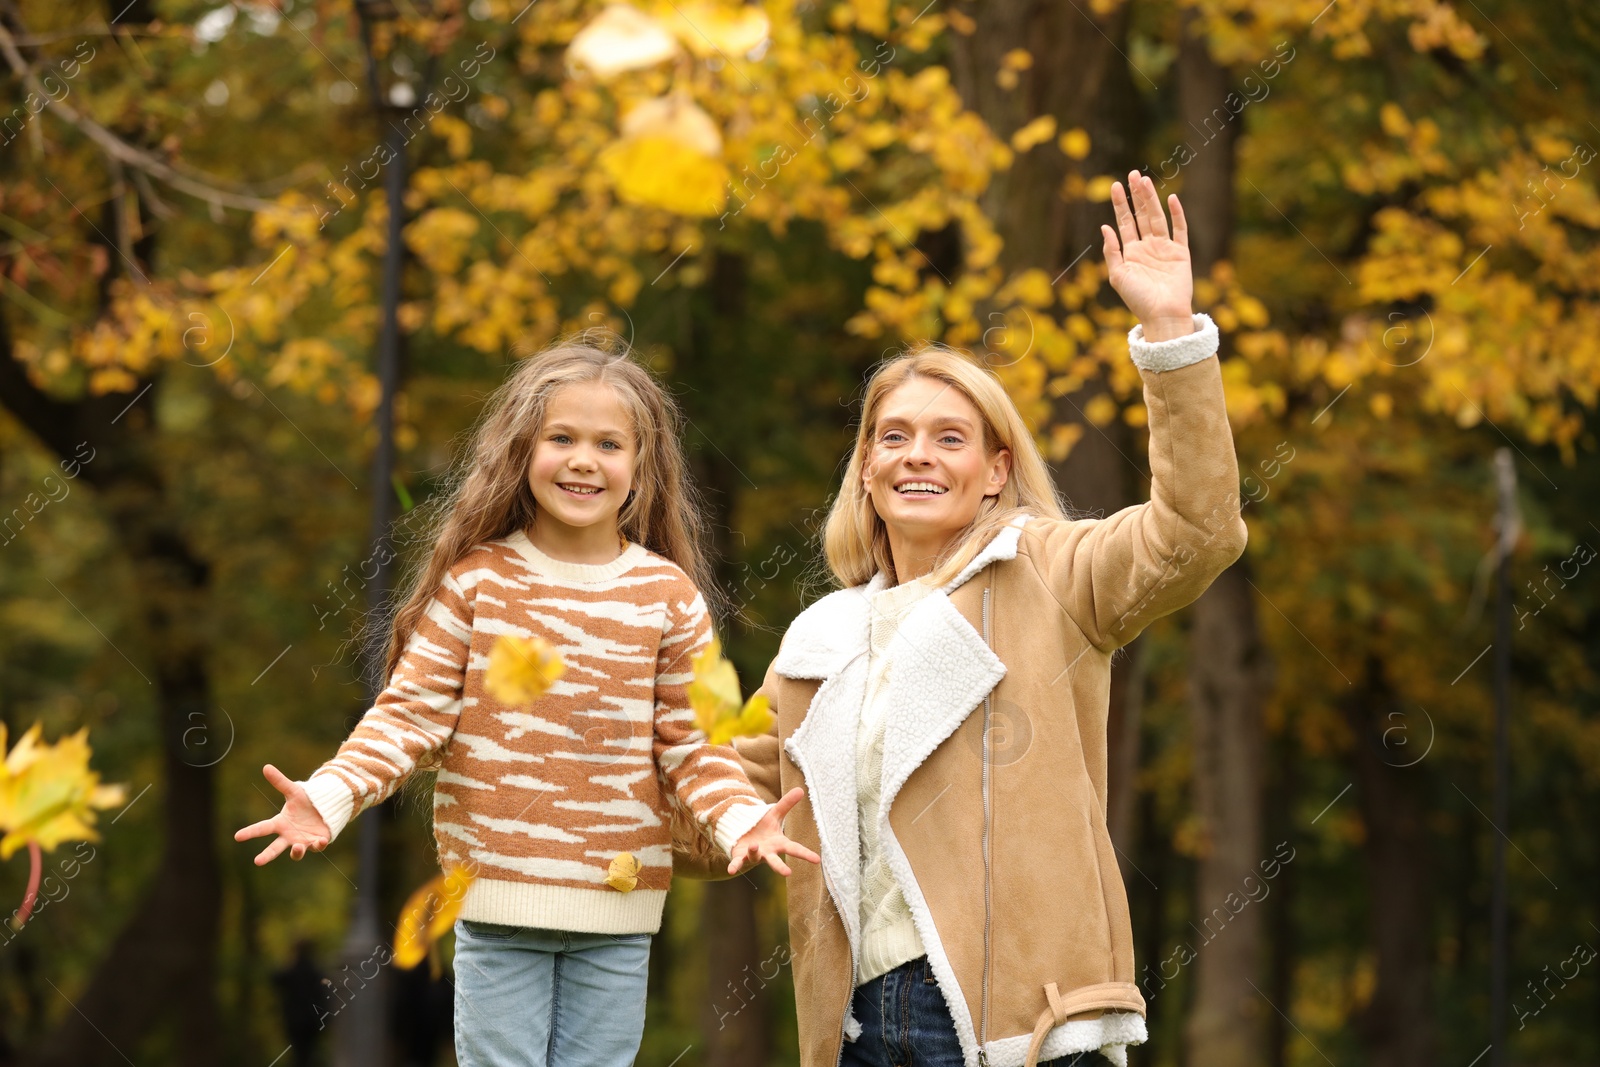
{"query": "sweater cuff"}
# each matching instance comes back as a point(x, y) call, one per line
point(333, 800)
point(1174, 352)
point(736, 822)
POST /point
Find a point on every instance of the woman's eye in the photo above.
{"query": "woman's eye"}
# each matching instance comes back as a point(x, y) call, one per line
point(950, 439)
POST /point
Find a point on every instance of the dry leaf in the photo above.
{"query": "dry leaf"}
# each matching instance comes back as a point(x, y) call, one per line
point(428, 915)
point(714, 696)
point(621, 38)
point(48, 794)
point(521, 669)
point(623, 874)
point(669, 156)
point(711, 29)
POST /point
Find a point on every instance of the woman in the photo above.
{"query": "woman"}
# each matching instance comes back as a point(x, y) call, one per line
point(968, 908)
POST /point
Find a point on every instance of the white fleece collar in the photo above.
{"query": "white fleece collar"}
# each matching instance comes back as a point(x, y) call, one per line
point(833, 631)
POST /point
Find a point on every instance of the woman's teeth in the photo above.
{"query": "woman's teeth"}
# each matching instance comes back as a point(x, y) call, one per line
point(920, 487)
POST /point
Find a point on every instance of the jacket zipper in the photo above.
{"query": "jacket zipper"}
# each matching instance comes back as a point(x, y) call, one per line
point(983, 1010)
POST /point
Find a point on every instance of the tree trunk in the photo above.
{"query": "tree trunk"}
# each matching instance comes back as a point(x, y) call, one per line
point(1078, 75)
point(161, 967)
point(736, 1015)
point(1396, 1026)
point(1229, 680)
point(1230, 671)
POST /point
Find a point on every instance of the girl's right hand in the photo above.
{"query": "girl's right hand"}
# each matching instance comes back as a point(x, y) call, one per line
point(299, 825)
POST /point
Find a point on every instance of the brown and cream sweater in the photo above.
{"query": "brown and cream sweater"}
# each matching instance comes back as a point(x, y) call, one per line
point(541, 798)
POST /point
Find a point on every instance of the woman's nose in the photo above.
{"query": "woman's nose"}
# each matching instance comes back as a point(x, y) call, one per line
point(919, 454)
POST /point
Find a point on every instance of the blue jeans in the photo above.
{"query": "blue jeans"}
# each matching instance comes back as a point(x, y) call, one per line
point(548, 998)
point(906, 1023)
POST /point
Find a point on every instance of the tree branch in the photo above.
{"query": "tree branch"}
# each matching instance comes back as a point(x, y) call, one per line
point(195, 184)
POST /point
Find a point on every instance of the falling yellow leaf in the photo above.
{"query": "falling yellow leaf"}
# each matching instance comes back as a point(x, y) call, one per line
point(670, 156)
point(714, 696)
point(716, 29)
point(621, 38)
point(1075, 142)
point(521, 669)
point(623, 874)
point(48, 794)
point(428, 915)
point(1034, 133)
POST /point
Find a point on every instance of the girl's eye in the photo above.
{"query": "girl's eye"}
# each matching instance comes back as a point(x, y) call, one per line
point(560, 439)
point(611, 445)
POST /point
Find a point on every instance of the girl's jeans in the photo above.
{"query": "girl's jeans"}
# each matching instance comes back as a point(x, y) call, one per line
point(548, 998)
point(905, 1023)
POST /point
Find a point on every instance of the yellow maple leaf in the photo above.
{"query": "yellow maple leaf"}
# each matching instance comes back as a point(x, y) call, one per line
point(715, 29)
point(521, 669)
point(428, 915)
point(669, 156)
point(1034, 133)
point(623, 873)
point(714, 696)
point(621, 38)
point(48, 794)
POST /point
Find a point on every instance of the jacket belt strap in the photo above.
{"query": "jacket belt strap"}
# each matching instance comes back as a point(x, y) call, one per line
point(1054, 1015)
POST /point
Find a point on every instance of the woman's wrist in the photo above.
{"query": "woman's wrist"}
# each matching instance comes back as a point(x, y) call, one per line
point(1167, 325)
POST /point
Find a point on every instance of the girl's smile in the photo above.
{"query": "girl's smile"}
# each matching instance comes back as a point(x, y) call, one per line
point(581, 472)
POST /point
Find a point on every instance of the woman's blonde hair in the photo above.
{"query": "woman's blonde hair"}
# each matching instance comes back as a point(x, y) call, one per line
point(856, 541)
point(490, 498)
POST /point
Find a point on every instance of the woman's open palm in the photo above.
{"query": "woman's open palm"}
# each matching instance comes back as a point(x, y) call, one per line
point(299, 825)
point(1150, 269)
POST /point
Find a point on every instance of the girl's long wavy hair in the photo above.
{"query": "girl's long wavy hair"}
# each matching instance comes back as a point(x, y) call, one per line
point(489, 497)
point(855, 540)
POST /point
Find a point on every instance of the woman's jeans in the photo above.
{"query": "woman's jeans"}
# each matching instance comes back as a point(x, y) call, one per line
point(906, 1023)
point(548, 998)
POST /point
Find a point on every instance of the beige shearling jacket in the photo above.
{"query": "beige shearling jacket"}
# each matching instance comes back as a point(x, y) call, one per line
point(993, 807)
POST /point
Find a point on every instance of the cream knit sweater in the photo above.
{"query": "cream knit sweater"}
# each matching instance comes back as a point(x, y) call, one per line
point(888, 935)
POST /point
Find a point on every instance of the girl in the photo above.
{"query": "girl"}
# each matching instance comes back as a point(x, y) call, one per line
point(946, 709)
point(574, 522)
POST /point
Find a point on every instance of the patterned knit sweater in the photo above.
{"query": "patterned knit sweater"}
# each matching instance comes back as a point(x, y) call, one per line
point(540, 799)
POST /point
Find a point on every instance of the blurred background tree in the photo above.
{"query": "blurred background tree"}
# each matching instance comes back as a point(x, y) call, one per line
point(1393, 216)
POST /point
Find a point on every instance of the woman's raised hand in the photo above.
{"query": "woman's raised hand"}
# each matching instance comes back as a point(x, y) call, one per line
point(299, 825)
point(1150, 270)
point(765, 840)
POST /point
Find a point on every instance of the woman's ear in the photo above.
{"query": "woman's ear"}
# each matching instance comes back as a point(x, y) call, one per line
point(999, 472)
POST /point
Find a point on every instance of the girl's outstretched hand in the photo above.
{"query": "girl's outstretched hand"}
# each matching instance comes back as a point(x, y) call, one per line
point(765, 840)
point(299, 825)
point(1150, 270)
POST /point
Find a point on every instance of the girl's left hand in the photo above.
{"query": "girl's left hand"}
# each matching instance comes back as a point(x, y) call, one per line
point(765, 840)
point(1151, 271)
